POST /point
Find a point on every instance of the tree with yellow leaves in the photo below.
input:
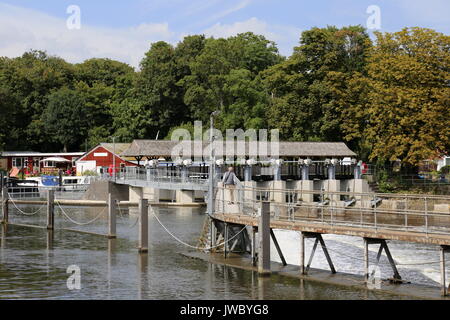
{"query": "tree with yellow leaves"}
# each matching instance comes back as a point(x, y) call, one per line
point(404, 113)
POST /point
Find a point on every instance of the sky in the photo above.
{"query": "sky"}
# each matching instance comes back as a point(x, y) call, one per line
point(124, 30)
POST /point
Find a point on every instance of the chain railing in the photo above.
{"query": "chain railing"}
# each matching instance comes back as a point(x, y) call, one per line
point(427, 214)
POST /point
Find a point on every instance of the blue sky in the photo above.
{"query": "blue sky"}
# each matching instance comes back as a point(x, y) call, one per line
point(124, 30)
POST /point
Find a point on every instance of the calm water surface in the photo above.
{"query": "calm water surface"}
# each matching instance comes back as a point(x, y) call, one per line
point(33, 266)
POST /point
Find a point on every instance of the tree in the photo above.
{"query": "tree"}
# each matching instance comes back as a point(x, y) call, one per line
point(224, 67)
point(408, 103)
point(302, 104)
point(65, 118)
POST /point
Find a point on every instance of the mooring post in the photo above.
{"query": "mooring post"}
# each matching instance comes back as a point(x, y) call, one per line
point(143, 226)
point(366, 260)
point(213, 235)
point(443, 275)
point(254, 262)
point(50, 209)
point(225, 240)
point(5, 207)
point(111, 217)
point(302, 253)
point(264, 239)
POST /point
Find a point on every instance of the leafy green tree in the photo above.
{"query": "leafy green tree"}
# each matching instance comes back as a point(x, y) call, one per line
point(216, 72)
point(65, 118)
point(302, 103)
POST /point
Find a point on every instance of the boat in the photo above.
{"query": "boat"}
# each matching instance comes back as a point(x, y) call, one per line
point(68, 183)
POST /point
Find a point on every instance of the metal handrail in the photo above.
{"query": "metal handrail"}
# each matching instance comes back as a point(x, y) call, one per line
point(421, 220)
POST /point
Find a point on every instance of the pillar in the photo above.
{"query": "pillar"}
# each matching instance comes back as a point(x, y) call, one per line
point(143, 226)
point(50, 210)
point(248, 173)
point(152, 194)
point(444, 291)
point(305, 172)
point(5, 207)
point(332, 186)
point(366, 260)
point(136, 193)
point(331, 172)
point(305, 190)
point(264, 240)
point(185, 196)
point(111, 217)
point(302, 253)
point(249, 191)
point(277, 172)
point(278, 195)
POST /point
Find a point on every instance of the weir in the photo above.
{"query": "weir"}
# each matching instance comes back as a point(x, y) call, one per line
point(410, 218)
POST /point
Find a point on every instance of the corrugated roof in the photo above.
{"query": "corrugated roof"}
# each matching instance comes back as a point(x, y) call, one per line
point(163, 148)
point(118, 147)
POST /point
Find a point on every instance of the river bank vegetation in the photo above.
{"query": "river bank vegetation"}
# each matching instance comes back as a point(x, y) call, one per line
point(387, 96)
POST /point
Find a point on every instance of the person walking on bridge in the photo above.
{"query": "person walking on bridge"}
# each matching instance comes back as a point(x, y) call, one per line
point(230, 181)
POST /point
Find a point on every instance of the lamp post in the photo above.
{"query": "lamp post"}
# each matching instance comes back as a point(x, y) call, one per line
point(212, 165)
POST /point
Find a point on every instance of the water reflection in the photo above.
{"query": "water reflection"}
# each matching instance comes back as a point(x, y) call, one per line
point(33, 264)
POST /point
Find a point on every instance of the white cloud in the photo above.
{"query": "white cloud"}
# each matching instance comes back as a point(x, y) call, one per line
point(286, 37)
point(23, 29)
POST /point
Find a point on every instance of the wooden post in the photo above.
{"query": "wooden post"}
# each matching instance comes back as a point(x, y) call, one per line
point(111, 217)
point(50, 210)
point(143, 226)
point(5, 207)
point(264, 239)
point(254, 262)
point(213, 235)
point(302, 253)
point(366, 260)
point(443, 280)
point(225, 240)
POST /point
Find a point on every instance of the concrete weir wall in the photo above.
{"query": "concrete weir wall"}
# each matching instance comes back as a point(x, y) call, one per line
point(99, 191)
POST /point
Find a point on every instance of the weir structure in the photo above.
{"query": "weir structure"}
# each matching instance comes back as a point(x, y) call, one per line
point(376, 218)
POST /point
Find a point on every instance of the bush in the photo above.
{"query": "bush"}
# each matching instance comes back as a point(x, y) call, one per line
point(445, 170)
point(90, 173)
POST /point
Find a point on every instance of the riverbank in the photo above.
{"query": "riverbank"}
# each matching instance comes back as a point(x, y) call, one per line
point(408, 290)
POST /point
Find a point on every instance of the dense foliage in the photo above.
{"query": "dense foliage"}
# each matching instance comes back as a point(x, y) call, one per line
point(388, 99)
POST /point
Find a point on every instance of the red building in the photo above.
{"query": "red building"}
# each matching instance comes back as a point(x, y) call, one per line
point(33, 163)
point(102, 157)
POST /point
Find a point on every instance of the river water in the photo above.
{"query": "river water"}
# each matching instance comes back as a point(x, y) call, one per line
point(34, 266)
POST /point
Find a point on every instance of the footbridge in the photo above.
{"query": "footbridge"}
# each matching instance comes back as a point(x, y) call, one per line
point(376, 218)
point(161, 178)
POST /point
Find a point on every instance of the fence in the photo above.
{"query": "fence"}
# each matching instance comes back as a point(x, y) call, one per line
point(418, 213)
